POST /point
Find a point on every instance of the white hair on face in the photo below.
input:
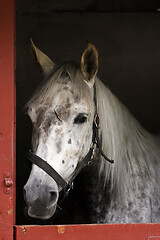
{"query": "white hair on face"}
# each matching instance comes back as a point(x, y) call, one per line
point(123, 139)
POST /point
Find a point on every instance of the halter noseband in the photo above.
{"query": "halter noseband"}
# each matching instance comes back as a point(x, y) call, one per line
point(66, 186)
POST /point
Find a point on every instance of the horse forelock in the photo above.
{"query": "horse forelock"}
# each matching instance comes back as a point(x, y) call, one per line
point(124, 140)
point(68, 73)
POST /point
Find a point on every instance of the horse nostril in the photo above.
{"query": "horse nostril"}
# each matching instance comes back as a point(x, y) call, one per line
point(25, 191)
point(53, 199)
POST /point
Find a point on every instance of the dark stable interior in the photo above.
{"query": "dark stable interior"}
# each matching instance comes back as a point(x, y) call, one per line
point(127, 36)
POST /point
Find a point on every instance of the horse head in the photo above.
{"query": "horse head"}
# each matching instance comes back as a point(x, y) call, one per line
point(62, 113)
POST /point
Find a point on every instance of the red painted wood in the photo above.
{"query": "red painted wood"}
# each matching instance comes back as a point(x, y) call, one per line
point(6, 233)
point(7, 120)
point(90, 232)
point(154, 238)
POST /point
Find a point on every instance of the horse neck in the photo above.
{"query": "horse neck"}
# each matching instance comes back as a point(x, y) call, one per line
point(124, 140)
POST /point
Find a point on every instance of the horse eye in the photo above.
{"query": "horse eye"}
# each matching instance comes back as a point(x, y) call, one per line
point(81, 118)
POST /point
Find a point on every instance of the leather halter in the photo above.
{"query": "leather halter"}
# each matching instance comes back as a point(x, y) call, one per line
point(66, 186)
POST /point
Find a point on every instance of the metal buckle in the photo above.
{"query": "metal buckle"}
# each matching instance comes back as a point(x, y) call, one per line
point(96, 121)
point(70, 186)
point(90, 161)
point(93, 152)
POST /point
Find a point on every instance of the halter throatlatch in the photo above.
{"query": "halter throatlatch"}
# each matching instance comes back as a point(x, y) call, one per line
point(66, 186)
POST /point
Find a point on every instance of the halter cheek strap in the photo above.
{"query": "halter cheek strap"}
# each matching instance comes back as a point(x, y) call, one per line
point(66, 186)
point(96, 127)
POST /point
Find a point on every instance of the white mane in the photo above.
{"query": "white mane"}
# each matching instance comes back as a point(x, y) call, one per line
point(124, 140)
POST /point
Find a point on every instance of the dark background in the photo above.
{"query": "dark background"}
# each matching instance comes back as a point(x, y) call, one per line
point(127, 36)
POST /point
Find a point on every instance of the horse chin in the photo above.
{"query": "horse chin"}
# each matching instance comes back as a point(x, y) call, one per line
point(43, 213)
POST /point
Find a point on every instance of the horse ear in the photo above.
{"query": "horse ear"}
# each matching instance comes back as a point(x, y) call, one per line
point(44, 61)
point(89, 63)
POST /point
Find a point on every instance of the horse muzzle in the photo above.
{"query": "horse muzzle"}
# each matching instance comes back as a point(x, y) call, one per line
point(41, 200)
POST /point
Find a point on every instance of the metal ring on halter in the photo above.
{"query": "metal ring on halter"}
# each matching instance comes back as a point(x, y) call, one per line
point(96, 121)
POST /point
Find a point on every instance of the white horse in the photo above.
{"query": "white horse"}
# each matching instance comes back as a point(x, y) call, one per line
point(62, 112)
